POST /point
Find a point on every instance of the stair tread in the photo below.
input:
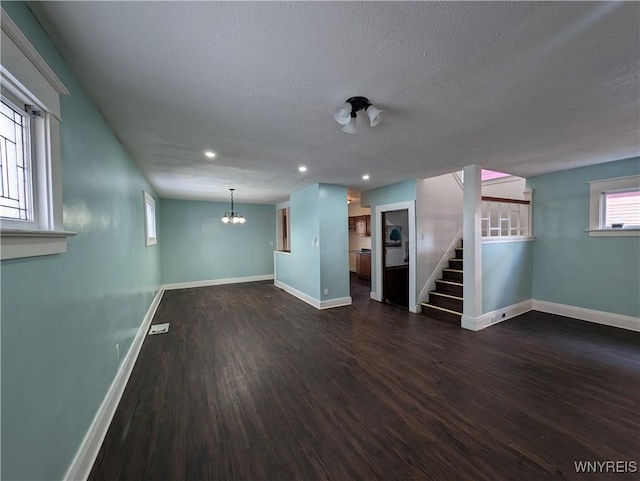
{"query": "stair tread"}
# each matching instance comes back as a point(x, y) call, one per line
point(444, 294)
point(451, 270)
point(426, 304)
point(449, 282)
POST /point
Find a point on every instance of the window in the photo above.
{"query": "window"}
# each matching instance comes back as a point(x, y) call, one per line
point(621, 209)
point(151, 237)
point(30, 183)
point(614, 207)
point(16, 197)
point(283, 227)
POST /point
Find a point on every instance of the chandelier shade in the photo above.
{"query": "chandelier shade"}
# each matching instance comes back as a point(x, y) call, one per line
point(347, 113)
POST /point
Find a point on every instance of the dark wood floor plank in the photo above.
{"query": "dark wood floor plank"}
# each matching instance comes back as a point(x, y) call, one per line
point(253, 384)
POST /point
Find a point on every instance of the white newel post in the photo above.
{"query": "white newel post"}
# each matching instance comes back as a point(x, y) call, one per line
point(472, 247)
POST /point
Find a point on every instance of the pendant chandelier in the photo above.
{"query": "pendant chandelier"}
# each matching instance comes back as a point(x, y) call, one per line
point(233, 216)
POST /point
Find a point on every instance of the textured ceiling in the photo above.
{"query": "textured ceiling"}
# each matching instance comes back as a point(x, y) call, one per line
point(526, 88)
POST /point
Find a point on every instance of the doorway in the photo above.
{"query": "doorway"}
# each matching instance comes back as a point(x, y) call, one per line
point(395, 257)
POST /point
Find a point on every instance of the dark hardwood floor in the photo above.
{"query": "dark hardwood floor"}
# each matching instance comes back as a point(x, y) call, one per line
point(251, 384)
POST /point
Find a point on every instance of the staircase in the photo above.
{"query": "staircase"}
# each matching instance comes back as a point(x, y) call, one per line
point(445, 303)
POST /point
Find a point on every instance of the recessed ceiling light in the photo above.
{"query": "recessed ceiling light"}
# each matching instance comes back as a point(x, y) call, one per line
point(302, 168)
point(365, 177)
point(210, 154)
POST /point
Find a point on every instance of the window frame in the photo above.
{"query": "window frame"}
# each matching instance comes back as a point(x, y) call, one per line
point(283, 228)
point(597, 191)
point(26, 76)
point(148, 200)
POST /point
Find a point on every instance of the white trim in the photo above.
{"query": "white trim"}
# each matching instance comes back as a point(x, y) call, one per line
point(494, 317)
point(596, 189)
point(615, 180)
point(472, 248)
point(506, 239)
point(631, 232)
point(26, 75)
point(410, 206)
point(375, 296)
point(13, 32)
point(282, 253)
point(296, 293)
point(148, 200)
point(591, 315)
point(88, 451)
point(448, 254)
point(342, 301)
point(458, 179)
point(217, 282)
point(18, 243)
point(339, 302)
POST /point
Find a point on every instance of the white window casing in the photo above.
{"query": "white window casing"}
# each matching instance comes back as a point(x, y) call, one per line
point(597, 196)
point(24, 75)
point(150, 228)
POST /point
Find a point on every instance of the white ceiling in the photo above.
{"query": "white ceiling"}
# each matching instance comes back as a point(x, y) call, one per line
point(522, 87)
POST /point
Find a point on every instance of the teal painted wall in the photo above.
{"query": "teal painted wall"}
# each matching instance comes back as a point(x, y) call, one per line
point(305, 225)
point(400, 192)
point(570, 267)
point(318, 211)
point(507, 274)
point(301, 269)
point(62, 315)
point(197, 246)
point(334, 241)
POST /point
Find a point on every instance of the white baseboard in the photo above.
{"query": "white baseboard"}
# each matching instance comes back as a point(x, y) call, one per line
point(591, 315)
point(494, 317)
point(342, 301)
point(88, 451)
point(339, 302)
point(217, 282)
point(375, 296)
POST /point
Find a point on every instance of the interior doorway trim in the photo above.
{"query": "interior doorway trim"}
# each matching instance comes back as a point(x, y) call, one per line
point(411, 208)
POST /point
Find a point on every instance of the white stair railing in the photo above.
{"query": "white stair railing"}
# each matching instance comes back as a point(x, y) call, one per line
point(505, 217)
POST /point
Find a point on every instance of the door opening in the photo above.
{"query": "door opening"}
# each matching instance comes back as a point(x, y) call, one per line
point(395, 257)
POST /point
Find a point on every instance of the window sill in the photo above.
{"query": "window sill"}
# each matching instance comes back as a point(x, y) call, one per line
point(19, 243)
point(286, 253)
point(613, 232)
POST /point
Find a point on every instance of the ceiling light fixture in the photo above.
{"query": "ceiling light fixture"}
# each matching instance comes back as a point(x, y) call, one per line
point(233, 217)
point(209, 154)
point(365, 177)
point(347, 113)
point(302, 168)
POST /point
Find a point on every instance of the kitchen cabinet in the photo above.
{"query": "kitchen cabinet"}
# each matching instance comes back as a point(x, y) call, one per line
point(363, 264)
point(362, 225)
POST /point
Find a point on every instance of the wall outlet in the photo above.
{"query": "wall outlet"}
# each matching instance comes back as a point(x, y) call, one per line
point(117, 352)
point(326, 291)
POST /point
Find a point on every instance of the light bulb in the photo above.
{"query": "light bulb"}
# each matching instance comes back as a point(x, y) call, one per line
point(225, 219)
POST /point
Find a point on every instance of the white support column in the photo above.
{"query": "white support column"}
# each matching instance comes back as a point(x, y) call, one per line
point(472, 248)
